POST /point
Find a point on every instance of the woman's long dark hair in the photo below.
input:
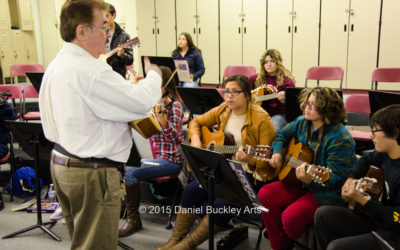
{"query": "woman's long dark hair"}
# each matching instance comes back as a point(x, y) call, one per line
point(189, 40)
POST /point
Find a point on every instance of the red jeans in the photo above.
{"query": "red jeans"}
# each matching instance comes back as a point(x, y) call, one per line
point(291, 210)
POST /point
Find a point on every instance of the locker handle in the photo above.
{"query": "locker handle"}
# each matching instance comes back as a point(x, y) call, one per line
point(239, 30)
point(158, 31)
point(345, 27)
point(194, 30)
point(27, 53)
point(199, 30)
point(288, 29)
point(245, 30)
point(352, 28)
point(295, 29)
point(2, 54)
point(15, 53)
point(153, 31)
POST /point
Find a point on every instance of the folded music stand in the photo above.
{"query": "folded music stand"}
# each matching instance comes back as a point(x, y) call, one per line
point(161, 61)
point(381, 99)
point(222, 178)
point(31, 138)
point(199, 100)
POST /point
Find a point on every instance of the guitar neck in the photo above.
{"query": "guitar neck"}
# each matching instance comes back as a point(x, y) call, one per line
point(266, 97)
point(110, 53)
point(226, 149)
point(292, 162)
point(130, 43)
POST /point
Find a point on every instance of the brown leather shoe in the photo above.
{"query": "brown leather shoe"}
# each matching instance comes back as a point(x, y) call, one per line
point(130, 227)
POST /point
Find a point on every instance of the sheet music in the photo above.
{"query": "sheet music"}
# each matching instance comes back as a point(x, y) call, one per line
point(183, 70)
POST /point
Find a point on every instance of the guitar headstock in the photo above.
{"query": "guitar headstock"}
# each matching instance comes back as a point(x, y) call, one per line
point(366, 185)
point(261, 152)
point(130, 43)
point(319, 174)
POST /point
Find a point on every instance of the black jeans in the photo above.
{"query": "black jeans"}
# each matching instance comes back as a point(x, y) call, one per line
point(340, 228)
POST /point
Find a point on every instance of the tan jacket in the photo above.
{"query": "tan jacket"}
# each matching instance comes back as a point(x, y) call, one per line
point(257, 130)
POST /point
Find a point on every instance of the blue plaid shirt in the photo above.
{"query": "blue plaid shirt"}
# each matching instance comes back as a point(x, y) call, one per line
point(336, 151)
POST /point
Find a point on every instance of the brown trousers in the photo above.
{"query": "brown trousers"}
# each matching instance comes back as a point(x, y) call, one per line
point(90, 201)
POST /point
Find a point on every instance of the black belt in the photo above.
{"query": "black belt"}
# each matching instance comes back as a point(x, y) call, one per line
point(89, 162)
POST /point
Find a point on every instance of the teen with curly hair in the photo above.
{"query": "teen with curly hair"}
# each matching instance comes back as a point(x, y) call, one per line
point(272, 72)
point(292, 206)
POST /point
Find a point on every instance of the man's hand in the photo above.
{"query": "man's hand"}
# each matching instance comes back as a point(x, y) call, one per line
point(148, 66)
point(275, 161)
point(346, 189)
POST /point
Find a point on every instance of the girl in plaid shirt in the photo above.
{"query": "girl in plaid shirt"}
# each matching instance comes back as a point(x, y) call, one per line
point(165, 145)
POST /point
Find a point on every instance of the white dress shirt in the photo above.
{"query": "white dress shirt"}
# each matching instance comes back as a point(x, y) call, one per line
point(85, 105)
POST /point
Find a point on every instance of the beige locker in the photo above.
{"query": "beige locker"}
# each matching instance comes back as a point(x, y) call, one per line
point(293, 31)
point(18, 47)
point(5, 23)
point(349, 38)
point(156, 27)
point(30, 51)
point(199, 18)
point(21, 14)
point(389, 54)
point(6, 52)
point(242, 32)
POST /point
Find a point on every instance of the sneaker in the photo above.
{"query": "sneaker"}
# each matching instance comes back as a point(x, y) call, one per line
point(58, 214)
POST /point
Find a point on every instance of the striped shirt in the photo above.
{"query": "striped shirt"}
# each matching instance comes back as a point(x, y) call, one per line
point(166, 144)
point(336, 151)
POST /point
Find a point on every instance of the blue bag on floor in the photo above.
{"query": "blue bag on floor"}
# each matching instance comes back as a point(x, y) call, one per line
point(24, 181)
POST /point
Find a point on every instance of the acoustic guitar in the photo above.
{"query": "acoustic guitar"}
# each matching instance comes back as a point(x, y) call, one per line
point(371, 187)
point(264, 93)
point(297, 154)
point(128, 44)
point(224, 143)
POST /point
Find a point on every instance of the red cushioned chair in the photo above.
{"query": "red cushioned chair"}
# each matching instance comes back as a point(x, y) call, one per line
point(29, 91)
point(358, 109)
point(20, 69)
point(384, 75)
point(246, 70)
point(325, 73)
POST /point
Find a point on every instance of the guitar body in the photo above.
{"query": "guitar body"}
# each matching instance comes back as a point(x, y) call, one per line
point(263, 91)
point(299, 151)
point(372, 189)
point(146, 127)
point(210, 138)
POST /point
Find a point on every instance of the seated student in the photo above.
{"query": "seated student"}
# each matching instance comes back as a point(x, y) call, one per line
point(272, 72)
point(250, 125)
point(342, 228)
point(6, 113)
point(166, 149)
point(292, 205)
point(186, 50)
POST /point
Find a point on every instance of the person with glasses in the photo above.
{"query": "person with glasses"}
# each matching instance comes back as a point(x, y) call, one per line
point(123, 57)
point(292, 205)
point(274, 75)
point(85, 108)
point(379, 226)
point(250, 125)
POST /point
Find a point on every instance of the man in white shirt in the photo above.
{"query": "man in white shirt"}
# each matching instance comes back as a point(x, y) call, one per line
point(85, 109)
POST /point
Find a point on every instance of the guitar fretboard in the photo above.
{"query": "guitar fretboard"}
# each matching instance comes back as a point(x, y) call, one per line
point(293, 162)
point(265, 97)
point(227, 149)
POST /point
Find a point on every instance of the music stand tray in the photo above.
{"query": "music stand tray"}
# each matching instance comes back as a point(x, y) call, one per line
point(200, 100)
point(30, 136)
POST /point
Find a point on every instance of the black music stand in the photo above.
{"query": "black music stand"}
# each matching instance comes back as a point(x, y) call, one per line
point(31, 138)
point(162, 61)
point(35, 78)
point(381, 99)
point(199, 100)
point(222, 179)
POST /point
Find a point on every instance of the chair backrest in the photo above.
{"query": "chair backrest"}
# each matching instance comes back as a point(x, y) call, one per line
point(20, 69)
point(246, 70)
point(14, 89)
point(358, 103)
point(325, 73)
point(29, 91)
point(385, 75)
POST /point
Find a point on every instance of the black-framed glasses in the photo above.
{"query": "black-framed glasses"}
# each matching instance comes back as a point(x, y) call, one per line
point(375, 130)
point(309, 105)
point(234, 92)
point(105, 29)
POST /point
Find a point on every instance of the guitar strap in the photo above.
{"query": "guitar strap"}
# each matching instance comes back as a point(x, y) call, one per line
point(309, 134)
